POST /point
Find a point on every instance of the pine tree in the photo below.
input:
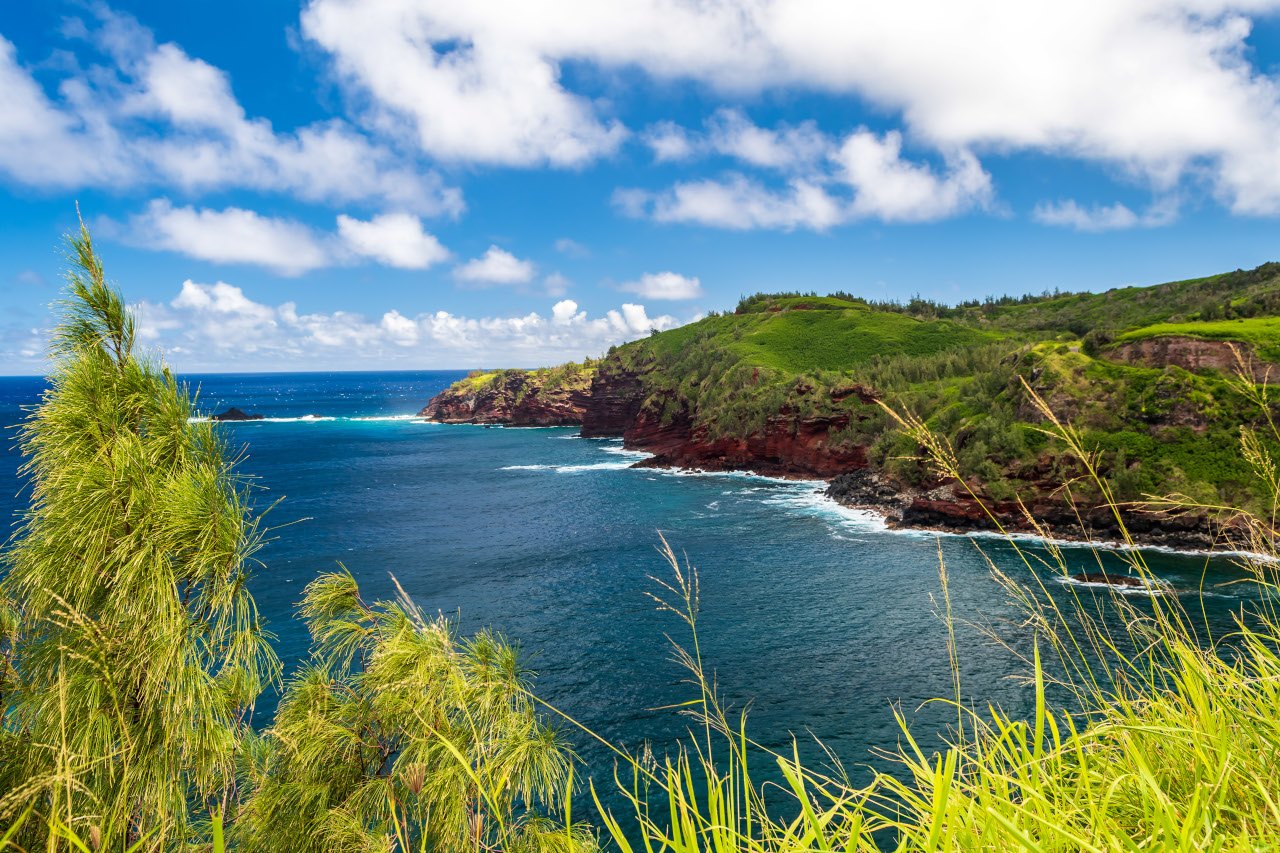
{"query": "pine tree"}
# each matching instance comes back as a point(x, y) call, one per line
point(134, 650)
point(399, 736)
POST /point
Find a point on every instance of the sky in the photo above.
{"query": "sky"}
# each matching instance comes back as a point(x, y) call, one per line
point(429, 184)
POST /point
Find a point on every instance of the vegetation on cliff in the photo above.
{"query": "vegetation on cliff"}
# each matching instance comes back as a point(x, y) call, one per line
point(547, 396)
point(784, 359)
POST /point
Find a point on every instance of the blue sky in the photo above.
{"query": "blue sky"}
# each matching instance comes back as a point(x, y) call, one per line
point(351, 184)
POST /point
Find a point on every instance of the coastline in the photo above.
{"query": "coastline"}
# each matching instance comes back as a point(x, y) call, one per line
point(938, 509)
point(885, 512)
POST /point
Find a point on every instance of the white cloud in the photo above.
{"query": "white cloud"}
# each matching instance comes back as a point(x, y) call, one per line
point(156, 116)
point(217, 325)
point(736, 202)
point(1165, 91)
point(238, 236)
point(785, 148)
point(864, 177)
point(670, 142)
point(492, 98)
point(664, 285)
point(393, 239)
point(1071, 214)
point(888, 188)
point(232, 235)
point(562, 313)
point(572, 248)
point(496, 266)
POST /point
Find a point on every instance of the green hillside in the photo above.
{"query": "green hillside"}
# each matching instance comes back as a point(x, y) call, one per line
point(961, 368)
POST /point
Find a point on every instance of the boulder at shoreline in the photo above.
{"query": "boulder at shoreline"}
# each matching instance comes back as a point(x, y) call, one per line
point(234, 414)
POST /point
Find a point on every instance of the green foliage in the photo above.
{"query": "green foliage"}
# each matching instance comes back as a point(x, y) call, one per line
point(134, 652)
point(131, 653)
point(398, 735)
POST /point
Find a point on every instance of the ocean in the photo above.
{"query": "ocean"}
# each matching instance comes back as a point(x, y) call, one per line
point(814, 617)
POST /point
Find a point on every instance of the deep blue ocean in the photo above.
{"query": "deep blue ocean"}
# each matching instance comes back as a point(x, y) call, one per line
point(814, 616)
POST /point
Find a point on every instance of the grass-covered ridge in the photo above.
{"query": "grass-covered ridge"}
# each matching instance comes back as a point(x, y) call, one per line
point(570, 374)
point(961, 368)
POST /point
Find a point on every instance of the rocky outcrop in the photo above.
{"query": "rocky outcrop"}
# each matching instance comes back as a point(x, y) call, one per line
point(620, 403)
point(234, 414)
point(948, 506)
point(1123, 581)
point(512, 398)
point(1193, 355)
point(785, 447)
point(614, 403)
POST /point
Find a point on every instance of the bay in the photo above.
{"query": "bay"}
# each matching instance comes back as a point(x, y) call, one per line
point(813, 616)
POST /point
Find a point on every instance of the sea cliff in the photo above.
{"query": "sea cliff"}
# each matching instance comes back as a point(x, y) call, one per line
point(791, 385)
point(615, 404)
point(515, 398)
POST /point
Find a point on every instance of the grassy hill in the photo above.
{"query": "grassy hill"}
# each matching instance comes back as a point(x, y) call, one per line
point(961, 368)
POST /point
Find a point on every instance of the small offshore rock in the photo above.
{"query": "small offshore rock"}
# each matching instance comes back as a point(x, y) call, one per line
point(234, 414)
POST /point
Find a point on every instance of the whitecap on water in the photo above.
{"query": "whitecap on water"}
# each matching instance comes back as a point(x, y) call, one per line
point(570, 469)
point(805, 500)
point(1148, 589)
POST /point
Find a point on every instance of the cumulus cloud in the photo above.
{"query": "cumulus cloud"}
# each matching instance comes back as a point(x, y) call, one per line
point(218, 324)
point(232, 235)
point(786, 147)
point(864, 176)
point(670, 142)
point(1165, 92)
point(152, 115)
point(1071, 214)
point(888, 188)
point(664, 285)
point(491, 99)
point(238, 236)
point(393, 239)
point(495, 266)
point(736, 202)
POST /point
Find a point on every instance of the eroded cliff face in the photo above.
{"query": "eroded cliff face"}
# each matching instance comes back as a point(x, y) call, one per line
point(618, 403)
point(1194, 355)
point(511, 398)
point(621, 403)
point(788, 445)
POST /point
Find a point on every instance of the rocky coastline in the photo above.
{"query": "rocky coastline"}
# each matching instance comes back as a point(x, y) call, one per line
point(947, 506)
point(615, 404)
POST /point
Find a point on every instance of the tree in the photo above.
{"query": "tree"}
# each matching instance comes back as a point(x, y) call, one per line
point(137, 651)
point(400, 736)
point(131, 651)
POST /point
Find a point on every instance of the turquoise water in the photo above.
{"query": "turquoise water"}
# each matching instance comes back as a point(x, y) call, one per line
point(815, 616)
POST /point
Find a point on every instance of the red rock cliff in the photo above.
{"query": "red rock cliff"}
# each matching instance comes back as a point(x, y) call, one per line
point(511, 398)
point(787, 446)
point(1194, 355)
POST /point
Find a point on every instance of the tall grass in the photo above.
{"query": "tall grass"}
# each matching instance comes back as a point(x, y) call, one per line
point(1170, 740)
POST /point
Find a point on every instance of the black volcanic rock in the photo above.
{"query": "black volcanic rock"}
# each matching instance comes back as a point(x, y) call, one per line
point(1111, 580)
point(234, 414)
